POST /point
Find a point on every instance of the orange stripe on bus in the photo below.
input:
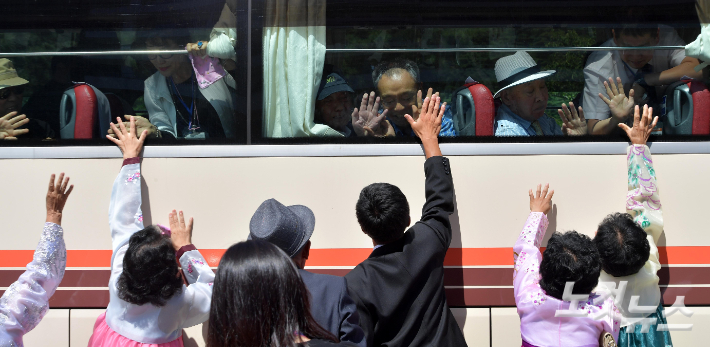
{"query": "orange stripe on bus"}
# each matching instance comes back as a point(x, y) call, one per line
point(350, 257)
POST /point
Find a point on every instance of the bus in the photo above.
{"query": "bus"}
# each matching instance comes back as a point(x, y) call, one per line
point(275, 146)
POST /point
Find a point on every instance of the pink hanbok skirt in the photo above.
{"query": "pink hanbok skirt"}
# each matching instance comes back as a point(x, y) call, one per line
point(104, 336)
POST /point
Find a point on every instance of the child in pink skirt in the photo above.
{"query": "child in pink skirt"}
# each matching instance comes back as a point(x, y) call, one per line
point(149, 304)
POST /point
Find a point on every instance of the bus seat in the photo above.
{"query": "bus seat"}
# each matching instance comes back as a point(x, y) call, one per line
point(685, 109)
point(473, 110)
point(84, 113)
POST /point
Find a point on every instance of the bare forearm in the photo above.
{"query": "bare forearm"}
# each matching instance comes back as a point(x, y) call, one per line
point(686, 68)
point(602, 127)
point(431, 147)
point(54, 217)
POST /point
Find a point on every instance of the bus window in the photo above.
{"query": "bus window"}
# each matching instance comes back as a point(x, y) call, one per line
point(71, 77)
point(351, 72)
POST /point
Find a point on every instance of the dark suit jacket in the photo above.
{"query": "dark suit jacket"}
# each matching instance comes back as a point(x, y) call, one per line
point(332, 307)
point(399, 289)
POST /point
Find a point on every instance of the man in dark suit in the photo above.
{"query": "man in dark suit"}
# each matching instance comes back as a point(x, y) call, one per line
point(290, 228)
point(399, 289)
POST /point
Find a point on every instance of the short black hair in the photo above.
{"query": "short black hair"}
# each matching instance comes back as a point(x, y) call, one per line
point(150, 271)
point(569, 257)
point(622, 245)
point(383, 212)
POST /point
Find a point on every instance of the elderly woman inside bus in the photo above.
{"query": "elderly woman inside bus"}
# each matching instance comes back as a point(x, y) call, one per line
point(187, 97)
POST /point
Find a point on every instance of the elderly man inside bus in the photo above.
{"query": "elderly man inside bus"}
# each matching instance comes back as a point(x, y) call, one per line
point(12, 88)
point(334, 102)
point(524, 96)
point(399, 86)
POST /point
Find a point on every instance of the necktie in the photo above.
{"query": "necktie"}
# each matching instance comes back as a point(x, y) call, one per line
point(538, 128)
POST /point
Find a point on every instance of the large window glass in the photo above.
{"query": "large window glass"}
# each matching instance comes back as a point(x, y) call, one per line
point(72, 67)
point(337, 71)
point(504, 69)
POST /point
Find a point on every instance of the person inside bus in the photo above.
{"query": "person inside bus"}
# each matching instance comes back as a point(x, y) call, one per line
point(540, 284)
point(627, 243)
point(178, 106)
point(399, 288)
point(643, 73)
point(399, 86)
point(26, 301)
point(12, 88)
point(260, 300)
point(148, 303)
point(523, 95)
point(223, 38)
point(334, 102)
point(290, 228)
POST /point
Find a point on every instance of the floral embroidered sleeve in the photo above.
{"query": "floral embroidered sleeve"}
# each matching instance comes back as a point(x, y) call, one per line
point(124, 213)
point(527, 257)
point(26, 301)
point(642, 200)
point(199, 293)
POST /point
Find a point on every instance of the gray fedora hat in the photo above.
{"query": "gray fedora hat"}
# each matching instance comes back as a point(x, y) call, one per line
point(517, 69)
point(287, 227)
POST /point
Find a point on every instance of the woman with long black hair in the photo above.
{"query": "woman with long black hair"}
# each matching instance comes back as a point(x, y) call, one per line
point(259, 300)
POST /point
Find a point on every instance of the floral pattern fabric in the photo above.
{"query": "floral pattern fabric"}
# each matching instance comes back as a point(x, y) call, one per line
point(539, 323)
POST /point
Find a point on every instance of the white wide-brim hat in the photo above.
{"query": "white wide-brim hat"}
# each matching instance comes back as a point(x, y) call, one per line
point(517, 69)
point(700, 48)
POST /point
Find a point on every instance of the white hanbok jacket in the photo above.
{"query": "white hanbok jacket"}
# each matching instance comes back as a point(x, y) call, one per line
point(148, 323)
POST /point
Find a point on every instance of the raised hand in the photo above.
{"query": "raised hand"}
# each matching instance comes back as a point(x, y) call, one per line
point(367, 121)
point(428, 125)
point(416, 110)
point(541, 201)
point(573, 123)
point(180, 233)
point(142, 123)
point(9, 124)
point(57, 195)
point(127, 141)
point(643, 126)
point(619, 104)
point(197, 49)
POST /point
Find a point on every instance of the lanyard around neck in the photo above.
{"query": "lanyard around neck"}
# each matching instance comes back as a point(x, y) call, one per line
point(190, 109)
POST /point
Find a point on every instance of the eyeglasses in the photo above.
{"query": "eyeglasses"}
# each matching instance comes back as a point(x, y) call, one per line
point(153, 57)
point(5, 93)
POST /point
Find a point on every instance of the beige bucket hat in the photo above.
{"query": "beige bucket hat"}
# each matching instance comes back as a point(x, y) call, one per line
point(8, 75)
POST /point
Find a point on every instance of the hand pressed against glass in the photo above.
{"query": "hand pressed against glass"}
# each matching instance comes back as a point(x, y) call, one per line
point(527, 100)
point(367, 121)
point(620, 105)
point(573, 123)
point(9, 124)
